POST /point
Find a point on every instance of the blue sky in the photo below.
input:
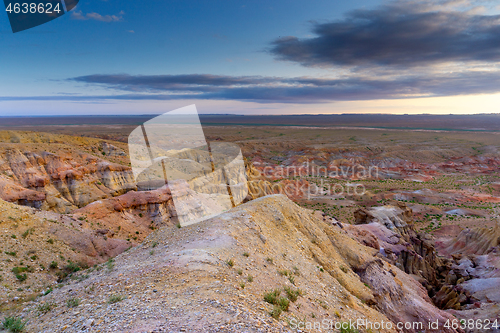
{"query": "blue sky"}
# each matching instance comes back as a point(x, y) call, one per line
point(256, 57)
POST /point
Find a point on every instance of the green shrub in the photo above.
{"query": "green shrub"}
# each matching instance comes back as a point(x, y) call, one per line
point(72, 267)
point(110, 264)
point(292, 294)
point(13, 324)
point(21, 277)
point(283, 303)
point(17, 270)
point(276, 312)
point(271, 297)
point(44, 308)
point(115, 299)
point(283, 272)
point(73, 302)
point(28, 232)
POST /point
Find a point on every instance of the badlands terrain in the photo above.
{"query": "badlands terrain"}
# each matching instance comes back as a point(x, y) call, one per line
point(384, 225)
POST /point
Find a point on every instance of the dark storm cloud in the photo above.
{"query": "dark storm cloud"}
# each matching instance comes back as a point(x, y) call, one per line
point(402, 34)
point(191, 82)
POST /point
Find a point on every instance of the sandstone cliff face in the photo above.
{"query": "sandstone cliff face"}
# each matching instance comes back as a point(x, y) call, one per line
point(477, 241)
point(58, 182)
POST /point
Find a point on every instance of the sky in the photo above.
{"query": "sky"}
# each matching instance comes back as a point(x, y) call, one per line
point(256, 57)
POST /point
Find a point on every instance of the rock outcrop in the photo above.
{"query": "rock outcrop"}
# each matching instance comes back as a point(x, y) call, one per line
point(399, 243)
point(61, 183)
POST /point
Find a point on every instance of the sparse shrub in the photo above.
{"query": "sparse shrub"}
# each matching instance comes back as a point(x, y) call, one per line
point(110, 264)
point(276, 312)
point(12, 253)
point(73, 302)
point(291, 279)
point(296, 270)
point(34, 257)
point(323, 304)
point(44, 308)
point(21, 277)
point(48, 291)
point(28, 232)
point(283, 272)
point(246, 254)
point(230, 262)
point(53, 265)
point(155, 244)
point(72, 267)
point(292, 295)
point(13, 324)
point(250, 278)
point(347, 329)
point(242, 285)
point(115, 299)
point(269, 260)
point(239, 271)
point(344, 269)
point(283, 303)
point(271, 297)
point(17, 270)
point(178, 225)
point(50, 241)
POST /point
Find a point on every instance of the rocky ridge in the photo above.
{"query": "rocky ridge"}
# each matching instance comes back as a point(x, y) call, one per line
point(212, 277)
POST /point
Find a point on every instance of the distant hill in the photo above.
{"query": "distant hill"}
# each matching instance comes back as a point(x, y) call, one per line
point(480, 122)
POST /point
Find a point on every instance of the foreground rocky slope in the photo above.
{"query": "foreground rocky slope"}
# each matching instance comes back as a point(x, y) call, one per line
point(212, 277)
point(40, 248)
